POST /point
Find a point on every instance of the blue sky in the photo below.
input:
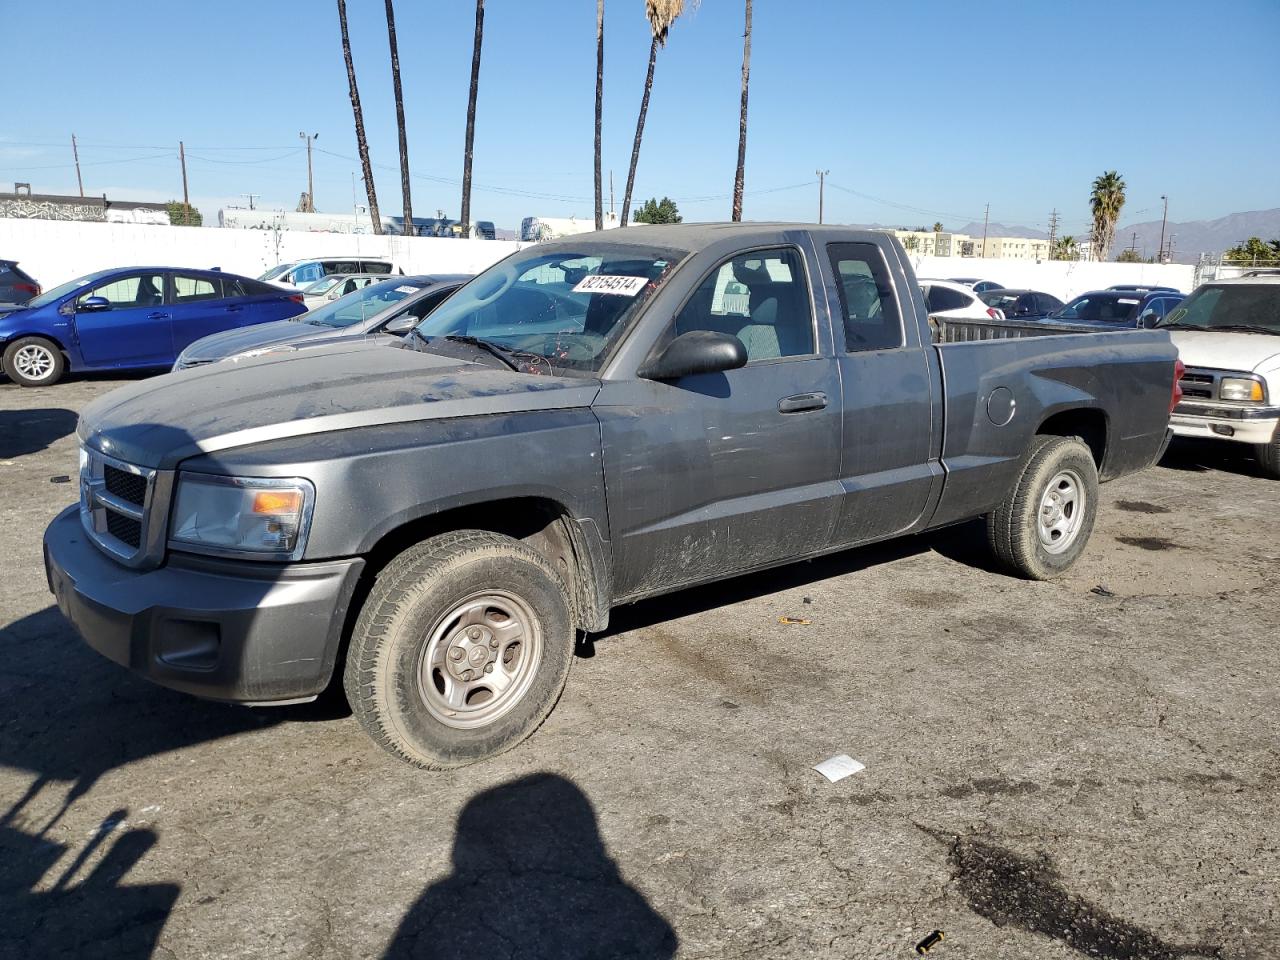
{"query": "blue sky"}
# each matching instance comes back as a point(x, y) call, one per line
point(927, 110)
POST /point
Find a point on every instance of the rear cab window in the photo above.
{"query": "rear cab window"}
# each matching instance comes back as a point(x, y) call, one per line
point(870, 313)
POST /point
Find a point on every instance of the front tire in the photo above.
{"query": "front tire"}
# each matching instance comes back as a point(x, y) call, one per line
point(461, 649)
point(34, 362)
point(1044, 523)
point(1269, 457)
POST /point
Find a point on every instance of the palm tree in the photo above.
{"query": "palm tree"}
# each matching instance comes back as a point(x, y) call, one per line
point(1064, 248)
point(740, 175)
point(404, 144)
point(599, 106)
point(661, 14)
point(937, 226)
point(362, 144)
point(465, 215)
point(1106, 201)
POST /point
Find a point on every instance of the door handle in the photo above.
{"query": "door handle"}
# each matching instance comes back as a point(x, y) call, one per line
point(801, 402)
point(234, 309)
point(157, 316)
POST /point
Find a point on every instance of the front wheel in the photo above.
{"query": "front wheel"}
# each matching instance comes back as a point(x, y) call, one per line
point(461, 649)
point(34, 362)
point(1044, 523)
point(1269, 457)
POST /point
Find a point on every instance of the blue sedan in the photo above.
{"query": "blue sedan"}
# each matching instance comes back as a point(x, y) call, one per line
point(131, 319)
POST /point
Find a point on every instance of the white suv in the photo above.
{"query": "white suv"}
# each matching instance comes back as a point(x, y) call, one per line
point(1228, 336)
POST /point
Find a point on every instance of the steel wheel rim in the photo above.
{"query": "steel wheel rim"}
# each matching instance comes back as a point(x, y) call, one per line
point(1061, 513)
point(33, 362)
point(479, 660)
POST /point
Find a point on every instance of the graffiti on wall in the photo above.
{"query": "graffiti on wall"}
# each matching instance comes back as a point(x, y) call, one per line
point(24, 208)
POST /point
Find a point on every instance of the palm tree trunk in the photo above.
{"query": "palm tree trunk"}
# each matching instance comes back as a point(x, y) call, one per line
point(465, 216)
point(362, 144)
point(740, 175)
point(404, 143)
point(635, 147)
point(599, 107)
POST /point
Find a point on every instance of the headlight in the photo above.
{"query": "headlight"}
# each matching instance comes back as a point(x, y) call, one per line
point(1238, 388)
point(242, 516)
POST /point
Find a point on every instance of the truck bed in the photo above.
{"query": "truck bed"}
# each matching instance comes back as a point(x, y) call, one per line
point(946, 330)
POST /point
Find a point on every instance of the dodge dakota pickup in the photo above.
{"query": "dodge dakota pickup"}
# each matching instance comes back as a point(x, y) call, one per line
point(432, 522)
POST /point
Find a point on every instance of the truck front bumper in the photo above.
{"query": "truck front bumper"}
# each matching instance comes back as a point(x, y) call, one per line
point(242, 631)
point(1222, 422)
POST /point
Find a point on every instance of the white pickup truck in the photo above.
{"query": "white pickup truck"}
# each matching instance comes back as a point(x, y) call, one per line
point(1228, 337)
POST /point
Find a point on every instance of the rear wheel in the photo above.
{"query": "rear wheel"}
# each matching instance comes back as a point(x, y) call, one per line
point(1044, 523)
point(34, 362)
point(461, 649)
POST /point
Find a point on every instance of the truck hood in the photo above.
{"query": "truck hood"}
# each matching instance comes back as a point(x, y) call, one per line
point(163, 421)
point(1227, 350)
point(228, 343)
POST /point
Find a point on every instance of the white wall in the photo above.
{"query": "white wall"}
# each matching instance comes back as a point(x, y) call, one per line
point(55, 251)
point(1062, 278)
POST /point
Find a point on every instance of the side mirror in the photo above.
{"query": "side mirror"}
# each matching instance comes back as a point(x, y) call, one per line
point(93, 305)
point(698, 351)
point(1148, 320)
point(401, 324)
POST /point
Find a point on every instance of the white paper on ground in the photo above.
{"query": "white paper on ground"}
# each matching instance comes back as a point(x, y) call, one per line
point(839, 767)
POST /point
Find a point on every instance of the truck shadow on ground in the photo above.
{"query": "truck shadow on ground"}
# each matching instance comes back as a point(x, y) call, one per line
point(965, 544)
point(1201, 456)
point(1024, 892)
point(531, 876)
point(29, 431)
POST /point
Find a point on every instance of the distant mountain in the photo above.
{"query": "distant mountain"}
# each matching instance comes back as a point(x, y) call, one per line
point(1001, 230)
point(1193, 237)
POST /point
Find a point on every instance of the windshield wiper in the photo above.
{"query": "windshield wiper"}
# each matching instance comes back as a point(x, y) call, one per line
point(1246, 328)
point(502, 353)
point(1178, 326)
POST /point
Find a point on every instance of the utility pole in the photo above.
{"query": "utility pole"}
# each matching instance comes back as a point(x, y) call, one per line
point(610, 194)
point(822, 178)
point(1053, 230)
point(986, 217)
point(311, 194)
point(250, 197)
point(186, 200)
point(75, 152)
point(1163, 220)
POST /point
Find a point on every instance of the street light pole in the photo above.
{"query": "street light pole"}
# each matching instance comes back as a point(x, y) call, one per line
point(822, 179)
point(1163, 220)
point(311, 192)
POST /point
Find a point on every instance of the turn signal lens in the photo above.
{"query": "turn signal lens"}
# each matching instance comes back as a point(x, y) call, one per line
point(1179, 368)
point(273, 502)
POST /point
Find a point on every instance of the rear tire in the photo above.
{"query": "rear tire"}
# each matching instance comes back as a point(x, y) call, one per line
point(1044, 523)
point(461, 649)
point(34, 362)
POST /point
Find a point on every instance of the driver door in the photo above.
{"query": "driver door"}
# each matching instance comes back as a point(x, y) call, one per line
point(135, 330)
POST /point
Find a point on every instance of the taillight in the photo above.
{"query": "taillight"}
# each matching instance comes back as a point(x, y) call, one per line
point(1178, 370)
point(31, 288)
point(994, 314)
point(296, 298)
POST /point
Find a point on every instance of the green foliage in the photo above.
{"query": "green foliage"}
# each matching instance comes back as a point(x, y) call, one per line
point(1065, 248)
point(178, 215)
point(1254, 250)
point(911, 243)
point(1106, 201)
point(937, 227)
point(1128, 255)
point(657, 211)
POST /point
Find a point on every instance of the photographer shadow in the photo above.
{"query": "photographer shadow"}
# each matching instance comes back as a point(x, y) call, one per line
point(531, 877)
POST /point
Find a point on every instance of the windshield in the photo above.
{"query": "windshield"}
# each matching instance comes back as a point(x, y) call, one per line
point(568, 306)
point(276, 271)
point(321, 285)
point(361, 304)
point(71, 286)
point(1210, 308)
point(1101, 307)
point(999, 298)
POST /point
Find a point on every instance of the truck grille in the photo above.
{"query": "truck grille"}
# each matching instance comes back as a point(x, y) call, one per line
point(1200, 384)
point(117, 501)
point(125, 485)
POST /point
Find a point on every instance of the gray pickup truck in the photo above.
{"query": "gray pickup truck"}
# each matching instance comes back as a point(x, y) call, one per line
point(589, 422)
